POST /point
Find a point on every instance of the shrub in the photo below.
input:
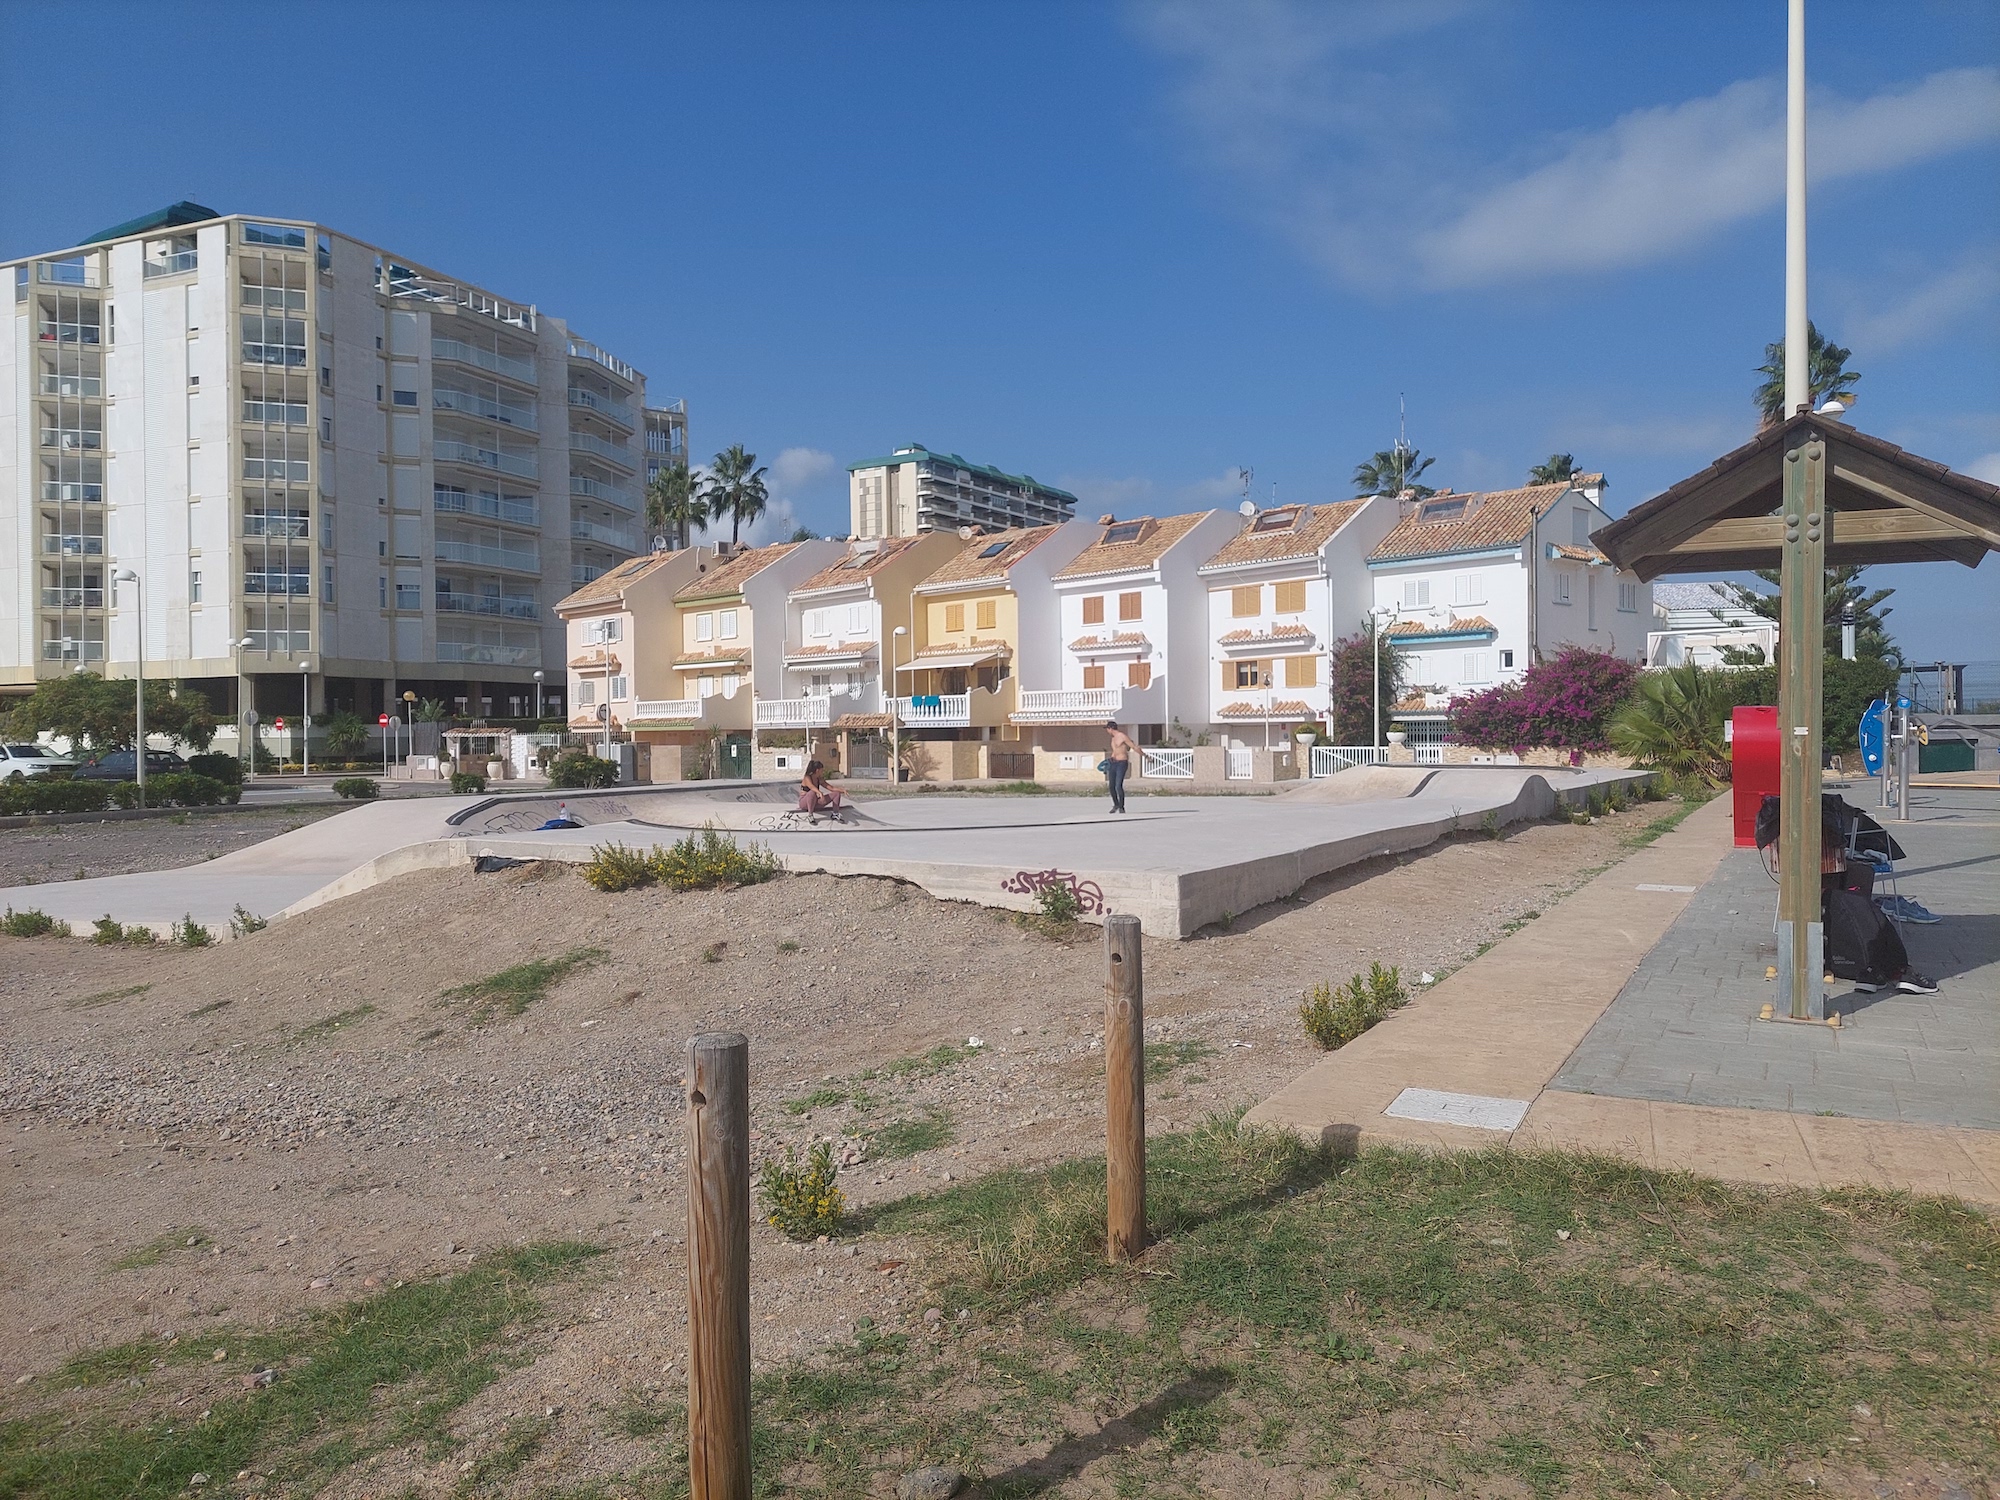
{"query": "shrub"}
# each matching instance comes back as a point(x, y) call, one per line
point(124, 794)
point(191, 934)
point(579, 768)
point(105, 932)
point(1334, 1017)
point(1673, 722)
point(226, 769)
point(614, 867)
point(1847, 688)
point(357, 788)
point(346, 735)
point(32, 923)
point(262, 761)
point(1058, 902)
point(38, 794)
point(186, 789)
point(467, 781)
point(242, 923)
point(709, 859)
point(801, 1198)
point(1351, 686)
point(1561, 704)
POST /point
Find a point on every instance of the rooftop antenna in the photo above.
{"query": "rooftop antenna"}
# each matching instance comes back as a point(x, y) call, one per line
point(1245, 473)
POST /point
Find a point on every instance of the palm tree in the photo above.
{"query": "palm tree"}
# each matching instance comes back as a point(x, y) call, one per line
point(1561, 466)
point(1392, 471)
point(674, 504)
point(734, 488)
point(1826, 365)
point(1673, 722)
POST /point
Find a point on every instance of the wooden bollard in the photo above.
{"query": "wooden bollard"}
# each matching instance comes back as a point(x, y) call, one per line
point(718, 1208)
point(1124, 1090)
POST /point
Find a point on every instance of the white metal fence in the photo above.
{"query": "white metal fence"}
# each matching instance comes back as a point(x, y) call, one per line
point(1167, 765)
point(1239, 764)
point(1327, 759)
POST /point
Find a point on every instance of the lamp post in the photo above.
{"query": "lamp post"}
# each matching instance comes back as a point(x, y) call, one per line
point(305, 717)
point(538, 697)
point(246, 717)
point(126, 575)
point(888, 702)
point(604, 645)
point(410, 720)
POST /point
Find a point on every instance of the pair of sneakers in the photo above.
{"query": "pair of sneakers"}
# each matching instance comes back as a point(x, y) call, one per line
point(1903, 909)
point(1911, 983)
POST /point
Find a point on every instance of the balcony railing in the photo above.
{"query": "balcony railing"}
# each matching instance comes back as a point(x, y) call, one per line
point(584, 349)
point(669, 708)
point(73, 439)
point(72, 651)
point(65, 493)
point(794, 713)
point(444, 398)
point(279, 642)
point(279, 470)
point(596, 447)
point(52, 332)
point(402, 281)
point(489, 656)
point(496, 606)
point(520, 560)
point(603, 406)
point(73, 385)
point(72, 546)
point(583, 573)
point(268, 582)
point(522, 370)
point(78, 270)
point(172, 265)
point(446, 450)
point(274, 354)
point(597, 489)
point(256, 524)
point(609, 536)
point(72, 598)
point(938, 710)
point(515, 510)
point(1065, 704)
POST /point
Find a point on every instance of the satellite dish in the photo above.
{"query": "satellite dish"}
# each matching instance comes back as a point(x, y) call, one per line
point(1247, 508)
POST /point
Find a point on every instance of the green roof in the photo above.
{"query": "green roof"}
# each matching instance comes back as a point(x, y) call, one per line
point(170, 217)
point(916, 453)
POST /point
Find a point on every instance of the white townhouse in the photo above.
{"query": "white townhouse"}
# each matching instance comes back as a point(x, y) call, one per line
point(1695, 622)
point(1134, 633)
point(1477, 587)
point(1280, 593)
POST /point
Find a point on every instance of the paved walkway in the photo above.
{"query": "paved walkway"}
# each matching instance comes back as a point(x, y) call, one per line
point(1489, 1041)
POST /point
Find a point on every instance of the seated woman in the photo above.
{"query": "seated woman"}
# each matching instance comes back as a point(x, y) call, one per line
point(815, 796)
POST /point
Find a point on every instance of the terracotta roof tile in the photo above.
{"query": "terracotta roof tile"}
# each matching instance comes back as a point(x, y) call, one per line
point(1156, 535)
point(729, 575)
point(1312, 531)
point(1469, 625)
point(1275, 633)
point(838, 573)
point(972, 643)
point(1283, 708)
point(1499, 519)
point(1577, 554)
point(850, 648)
point(711, 658)
point(609, 587)
point(972, 565)
point(1107, 642)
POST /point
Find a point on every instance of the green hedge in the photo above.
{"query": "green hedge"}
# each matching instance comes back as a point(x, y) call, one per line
point(42, 794)
point(1850, 686)
point(224, 768)
point(186, 789)
point(579, 768)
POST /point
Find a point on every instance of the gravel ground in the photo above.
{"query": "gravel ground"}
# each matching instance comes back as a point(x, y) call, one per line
point(316, 1108)
point(81, 851)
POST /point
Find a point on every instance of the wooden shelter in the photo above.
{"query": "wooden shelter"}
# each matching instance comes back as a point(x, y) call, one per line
point(1804, 494)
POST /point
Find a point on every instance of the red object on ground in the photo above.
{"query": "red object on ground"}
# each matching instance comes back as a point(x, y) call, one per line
point(1754, 775)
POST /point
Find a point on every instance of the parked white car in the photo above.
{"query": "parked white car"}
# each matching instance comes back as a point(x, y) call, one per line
point(29, 760)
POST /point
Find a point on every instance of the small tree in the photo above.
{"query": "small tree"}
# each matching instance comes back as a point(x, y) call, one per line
point(674, 503)
point(1844, 590)
point(346, 734)
point(1352, 687)
point(1673, 722)
point(1561, 466)
point(1563, 704)
point(1392, 471)
point(1827, 375)
point(734, 488)
point(96, 713)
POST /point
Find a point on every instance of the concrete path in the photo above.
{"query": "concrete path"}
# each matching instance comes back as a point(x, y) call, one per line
point(1486, 1043)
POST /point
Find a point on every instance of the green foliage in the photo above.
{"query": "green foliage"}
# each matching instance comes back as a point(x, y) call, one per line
point(107, 932)
point(186, 789)
point(906, 1137)
point(226, 769)
point(1827, 375)
point(617, 867)
point(1058, 902)
point(674, 503)
point(346, 735)
point(1847, 688)
point(326, 1026)
point(1333, 1017)
point(95, 713)
point(1673, 723)
point(1844, 591)
point(800, 1198)
point(46, 794)
point(703, 861)
point(33, 922)
point(734, 489)
point(1560, 467)
point(514, 989)
point(1351, 686)
point(357, 788)
point(242, 923)
point(1391, 471)
point(463, 782)
point(430, 711)
point(579, 768)
point(191, 934)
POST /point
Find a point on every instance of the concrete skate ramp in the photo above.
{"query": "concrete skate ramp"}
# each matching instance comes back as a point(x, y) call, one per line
point(736, 805)
point(1361, 784)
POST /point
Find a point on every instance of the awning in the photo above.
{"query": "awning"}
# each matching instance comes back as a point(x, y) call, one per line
point(942, 660)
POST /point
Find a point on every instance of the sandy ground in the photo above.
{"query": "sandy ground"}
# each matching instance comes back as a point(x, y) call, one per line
point(79, 851)
point(156, 1095)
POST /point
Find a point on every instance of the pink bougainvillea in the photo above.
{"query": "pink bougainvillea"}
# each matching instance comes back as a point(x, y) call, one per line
point(1564, 703)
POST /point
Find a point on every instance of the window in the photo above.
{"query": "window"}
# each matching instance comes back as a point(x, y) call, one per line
point(994, 549)
point(954, 617)
point(586, 691)
point(1281, 519)
point(1139, 674)
point(1590, 596)
point(1093, 677)
point(326, 429)
point(1289, 598)
point(194, 586)
point(613, 631)
point(1628, 598)
point(1579, 527)
point(1246, 674)
point(1443, 510)
point(617, 689)
point(1506, 661)
point(284, 236)
point(857, 619)
point(1559, 586)
point(1093, 610)
point(406, 398)
point(705, 688)
point(1129, 606)
point(1468, 588)
point(1246, 601)
point(382, 590)
point(704, 627)
point(729, 624)
point(1476, 669)
point(1416, 593)
point(816, 623)
point(1301, 671)
point(986, 615)
point(1122, 533)
point(327, 584)
point(194, 382)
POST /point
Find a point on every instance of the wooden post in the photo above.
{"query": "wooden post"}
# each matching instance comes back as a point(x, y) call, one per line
point(718, 1209)
point(1802, 647)
point(1124, 1089)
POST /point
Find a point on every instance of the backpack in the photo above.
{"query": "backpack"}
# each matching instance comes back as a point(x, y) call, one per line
point(1861, 943)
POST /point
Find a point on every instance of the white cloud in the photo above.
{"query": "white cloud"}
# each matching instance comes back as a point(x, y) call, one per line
point(1133, 492)
point(777, 524)
point(1874, 321)
point(795, 468)
point(1987, 468)
point(1226, 486)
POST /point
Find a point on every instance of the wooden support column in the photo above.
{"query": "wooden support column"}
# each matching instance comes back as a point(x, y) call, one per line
point(1124, 1089)
point(1802, 647)
point(718, 1211)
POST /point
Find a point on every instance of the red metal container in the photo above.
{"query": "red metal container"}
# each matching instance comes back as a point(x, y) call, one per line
point(1754, 753)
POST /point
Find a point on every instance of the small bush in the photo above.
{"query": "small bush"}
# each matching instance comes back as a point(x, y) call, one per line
point(801, 1198)
point(1058, 902)
point(40, 794)
point(1334, 1017)
point(226, 769)
point(242, 923)
point(464, 782)
point(615, 867)
point(706, 860)
point(191, 934)
point(32, 923)
point(186, 789)
point(579, 768)
point(357, 788)
point(106, 932)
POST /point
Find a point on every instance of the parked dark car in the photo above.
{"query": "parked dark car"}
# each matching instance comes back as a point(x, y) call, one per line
point(123, 765)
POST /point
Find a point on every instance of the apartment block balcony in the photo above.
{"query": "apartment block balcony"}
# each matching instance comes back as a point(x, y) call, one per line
point(280, 524)
point(935, 710)
point(597, 489)
point(422, 286)
point(73, 439)
point(603, 406)
point(72, 598)
point(445, 398)
point(514, 510)
point(489, 360)
point(794, 713)
point(495, 606)
point(668, 713)
point(478, 653)
point(174, 264)
point(451, 451)
point(72, 545)
point(1070, 706)
point(477, 554)
point(297, 582)
point(77, 270)
point(51, 331)
point(608, 536)
point(72, 651)
point(65, 493)
point(583, 573)
point(80, 387)
point(610, 453)
point(584, 349)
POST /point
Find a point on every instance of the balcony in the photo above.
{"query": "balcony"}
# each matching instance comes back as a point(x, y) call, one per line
point(293, 355)
point(936, 711)
point(495, 606)
point(460, 352)
point(297, 583)
point(488, 656)
point(62, 493)
point(448, 451)
point(173, 265)
point(52, 332)
point(73, 439)
point(1070, 706)
point(669, 710)
point(606, 536)
point(597, 489)
point(603, 406)
point(422, 286)
point(444, 398)
point(512, 509)
point(519, 560)
point(279, 642)
point(72, 546)
point(596, 447)
point(76, 386)
point(72, 651)
point(584, 573)
point(77, 270)
point(72, 598)
point(584, 349)
point(794, 713)
point(261, 523)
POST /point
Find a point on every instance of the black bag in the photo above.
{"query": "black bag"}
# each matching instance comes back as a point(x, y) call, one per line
point(1861, 943)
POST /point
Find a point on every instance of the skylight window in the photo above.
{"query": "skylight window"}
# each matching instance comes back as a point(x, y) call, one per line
point(1276, 520)
point(995, 549)
point(1443, 510)
point(1124, 531)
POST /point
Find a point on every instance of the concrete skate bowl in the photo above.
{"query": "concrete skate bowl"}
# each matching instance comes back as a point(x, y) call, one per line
point(1468, 784)
point(761, 807)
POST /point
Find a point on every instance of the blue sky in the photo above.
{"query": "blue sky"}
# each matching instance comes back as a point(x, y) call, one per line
point(1125, 248)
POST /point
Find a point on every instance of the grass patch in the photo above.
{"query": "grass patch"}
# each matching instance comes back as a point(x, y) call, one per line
point(1164, 1059)
point(326, 1026)
point(1668, 822)
point(906, 1137)
point(831, 1096)
point(513, 990)
point(132, 1260)
point(386, 1372)
point(109, 997)
point(945, 1055)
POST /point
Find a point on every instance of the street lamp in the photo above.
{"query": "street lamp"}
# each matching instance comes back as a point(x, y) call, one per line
point(305, 717)
point(1375, 617)
point(246, 717)
point(410, 720)
point(538, 697)
point(888, 667)
point(126, 575)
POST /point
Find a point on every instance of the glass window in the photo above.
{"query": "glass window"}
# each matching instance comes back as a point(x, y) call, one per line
point(1506, 660)
point(284, 236)
point(194, 586)
point(729, 624)
point(406, 398)
point(614, 630)
point(1416, 593)
point(1121, 533)
point(1443, 510)
point(1281, 519)
point(994, 549)
point(586, 691)
point(704, 627)
point(1562, 586)
point(617, 689)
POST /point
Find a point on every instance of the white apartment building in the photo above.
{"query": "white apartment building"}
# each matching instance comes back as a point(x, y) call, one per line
point(914, 490)
point(1695, 622)
point(1280, 593)
point(315, 454)
point(1476, 587)
point(1134, 617)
